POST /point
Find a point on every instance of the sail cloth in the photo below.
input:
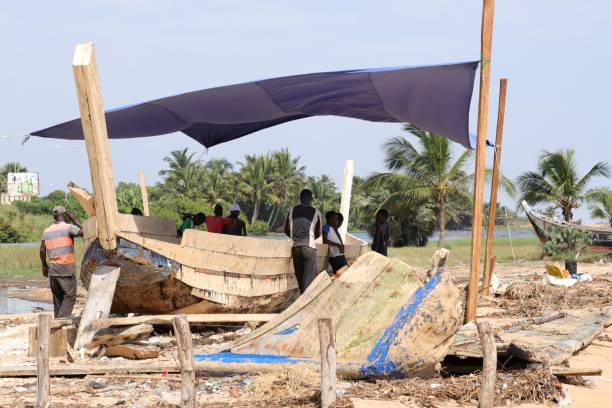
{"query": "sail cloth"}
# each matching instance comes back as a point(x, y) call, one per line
point(435, 98)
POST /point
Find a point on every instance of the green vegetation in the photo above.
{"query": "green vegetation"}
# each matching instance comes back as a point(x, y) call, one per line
point(526, 248)
point(23, 260)
point(556, 182)
point(601, 203)
point(564, 243)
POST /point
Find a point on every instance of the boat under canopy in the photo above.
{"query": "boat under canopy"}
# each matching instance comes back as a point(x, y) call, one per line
point(435, 98)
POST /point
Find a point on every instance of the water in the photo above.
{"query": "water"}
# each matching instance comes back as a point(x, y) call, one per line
point(458, 234)
point(14, 305)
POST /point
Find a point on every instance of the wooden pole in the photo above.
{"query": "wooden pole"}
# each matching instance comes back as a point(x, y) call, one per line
point(144, 193)
point(345, 198)
point(185, 354)
point(96, 139)
point(328, 362)
point(489, 365)
point(483, 111)
point(43, 397)
point(488, 271)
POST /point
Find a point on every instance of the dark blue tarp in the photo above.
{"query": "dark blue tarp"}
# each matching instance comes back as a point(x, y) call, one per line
point(436, 98)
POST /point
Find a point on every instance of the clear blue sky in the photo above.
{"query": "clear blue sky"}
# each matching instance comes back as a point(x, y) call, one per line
point(556, 54)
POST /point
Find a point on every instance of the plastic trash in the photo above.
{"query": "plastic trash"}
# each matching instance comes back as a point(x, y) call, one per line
point(563, 282)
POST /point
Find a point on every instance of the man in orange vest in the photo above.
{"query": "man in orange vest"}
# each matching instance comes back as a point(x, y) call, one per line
point(58, 246)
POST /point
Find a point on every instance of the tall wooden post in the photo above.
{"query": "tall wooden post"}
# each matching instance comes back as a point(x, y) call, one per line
point(345, 199)
point(96, 140)
point(144, 193)
point(486, 37)
point(185, 354)
point(488, 271)
point(328, 362)
point(489, 365)
point(43, 398)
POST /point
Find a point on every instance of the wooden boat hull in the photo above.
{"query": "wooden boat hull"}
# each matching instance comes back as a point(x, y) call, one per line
point(601, 237)
point(388, 320)
point(204, 273)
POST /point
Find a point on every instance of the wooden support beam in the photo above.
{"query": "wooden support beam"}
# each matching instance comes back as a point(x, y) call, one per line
point(144, 193)
point(489, 365)
point(43, 396)
point(185, 355)
point(191, 318)
point(328, 362)
point(96, 139)
point(99, 300)
point(85, 199)
point(488, 269)
point(483, 112)
point(345, 198)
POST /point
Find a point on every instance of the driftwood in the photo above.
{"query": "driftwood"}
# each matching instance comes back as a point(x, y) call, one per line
point(132, 351)
point(184, 348)
point(118, 335)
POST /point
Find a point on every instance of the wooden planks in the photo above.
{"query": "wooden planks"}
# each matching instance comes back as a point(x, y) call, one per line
point(111, 336)
point(99, 300)
point(146, 225)
point(144, 193)
point(489, 257)
point(85, 199)
point(192, 318)
point(96, 139)
point(345, 198)
point(555, 341)
point(43, 397)
point(483, 113)
point(58, 341)
point(132, 351)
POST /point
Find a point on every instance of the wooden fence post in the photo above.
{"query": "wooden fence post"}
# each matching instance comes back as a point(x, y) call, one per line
point(328, 362)
point(185, 354)
point(489, 365)
point(43, 397)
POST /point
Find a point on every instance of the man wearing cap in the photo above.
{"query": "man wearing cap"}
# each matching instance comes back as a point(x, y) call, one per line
point(236, 226)
point(58, 245)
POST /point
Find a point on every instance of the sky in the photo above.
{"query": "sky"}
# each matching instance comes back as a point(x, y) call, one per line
point(555, 54)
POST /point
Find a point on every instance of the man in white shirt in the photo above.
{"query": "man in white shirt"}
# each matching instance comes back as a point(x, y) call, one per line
point(332, 237)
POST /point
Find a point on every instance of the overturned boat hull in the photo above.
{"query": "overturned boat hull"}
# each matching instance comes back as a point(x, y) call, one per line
point(389, 320)
point(200, 273)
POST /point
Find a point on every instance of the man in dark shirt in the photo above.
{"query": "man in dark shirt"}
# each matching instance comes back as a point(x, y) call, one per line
point(303, 226)
point(236, 226)
point(380, 240)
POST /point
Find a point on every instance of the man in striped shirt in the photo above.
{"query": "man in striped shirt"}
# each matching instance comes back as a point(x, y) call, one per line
point(303, 226)
point(58, 246)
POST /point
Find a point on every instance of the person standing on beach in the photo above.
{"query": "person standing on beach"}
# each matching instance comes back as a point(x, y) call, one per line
point(215, 223)
point(236, 226)
point(380, 240)
point(58, 245)
point(303, 226)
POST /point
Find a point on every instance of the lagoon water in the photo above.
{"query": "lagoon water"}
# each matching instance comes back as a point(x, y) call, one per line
point(10, 304)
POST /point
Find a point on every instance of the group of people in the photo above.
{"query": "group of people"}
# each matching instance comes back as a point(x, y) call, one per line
point(304, 225)
point(217, 223)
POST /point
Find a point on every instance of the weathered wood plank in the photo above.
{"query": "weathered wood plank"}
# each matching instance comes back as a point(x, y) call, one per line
point(99, 300)
point(184, 348)
point(43, 397)
point(58, 341)
point(118, 335)
point(85, 199)
point(328, 362)
point(193, 318)
point(132, 351)
point(144, 193)
point(345, 198)
point(489, 366)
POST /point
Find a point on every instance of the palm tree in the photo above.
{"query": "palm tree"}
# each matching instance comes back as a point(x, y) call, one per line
point(9, 168)
point(427, 175)
point(601, 203)
point(325, 193)
point(128, 196)
point(217, 177)
point(184, 174)
point(556, 181)
point(287, 178)
point(256, 181)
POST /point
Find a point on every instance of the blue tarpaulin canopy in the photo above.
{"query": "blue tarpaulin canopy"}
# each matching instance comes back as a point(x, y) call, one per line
point(435, 98)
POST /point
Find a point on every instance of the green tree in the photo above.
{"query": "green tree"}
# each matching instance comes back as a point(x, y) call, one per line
point(601, 203)
point(427, 175)
point(183, 177)
point(217, 179)
point(7, 168)
point(287, 180)
point(325, 193)
point(128, 197)
point(556, 181)
point(256, 181)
